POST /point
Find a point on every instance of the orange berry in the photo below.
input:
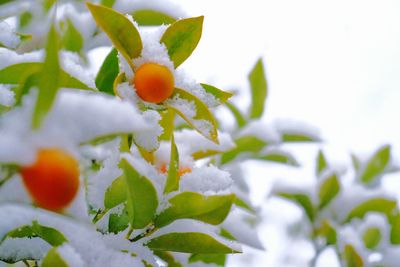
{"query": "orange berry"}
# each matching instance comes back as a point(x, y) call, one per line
point(181, 171)
point(53, 180)
point(153, 82)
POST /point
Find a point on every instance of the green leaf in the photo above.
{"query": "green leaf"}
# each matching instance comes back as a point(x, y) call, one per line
point(190, 242)
point(107, 3)
point(108, 72)
point(327, 231)
point(376, 165)
point(121, 31)
point(25, 18)
point(49, 79)
point(72, 39)
point(243, 204)
point(15, 74)
point(279, 157)
point(352, 258)
point(356, 162)
point(258, 84)
point(142, 197)
point(322, 164)
point(118, 222)
point(382, 205)
point(148, 17)
point(172, 183)
point(328, 190)
point(244, 144)
point(167, 123)
point(202, 116)
point(191, 205)
point(395, 230)
point(48, 234)
point(115, 193)
point(182, 37)
point(240, 119)
point(220, 95)
point(303, 201)
point(53, 259)
point(48, 4)
point(2, 2)
point(371, 237)
point(217, 259)
point(299, 137)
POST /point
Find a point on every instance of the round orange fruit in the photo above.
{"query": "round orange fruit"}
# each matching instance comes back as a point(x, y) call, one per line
point(53, 179)
point(153, 82)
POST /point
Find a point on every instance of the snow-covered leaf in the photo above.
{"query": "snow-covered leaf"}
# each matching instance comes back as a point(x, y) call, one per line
point(321, 163)
point(181, 38)
point(303, 201)
point(167, 123)
point(72, 39)
point(258, 84)
point(376, 165)
point(201, 118)
point(142, 196)
point(222, 96)
point(382, 205)
point(328, 232)
point(148, 17)
point(121, 31)
point(244, 144)
point(190, 242)
point(108, 72)
point(118, 222)
point(352, 258)
point(240, 119)
point(328, 190)
point(278, 156)
point(191, 205)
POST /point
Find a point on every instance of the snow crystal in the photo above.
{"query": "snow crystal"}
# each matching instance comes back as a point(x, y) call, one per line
point(146, 139)
point(207, 180)
point(70, 256)
point(6, 95)
point(7, 36)
point(83, 238)
point(23, 248)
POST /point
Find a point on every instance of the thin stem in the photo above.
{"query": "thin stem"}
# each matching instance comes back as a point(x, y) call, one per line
point(128, 235)
point(26, 263)
point(148, 232)
point(99, 215)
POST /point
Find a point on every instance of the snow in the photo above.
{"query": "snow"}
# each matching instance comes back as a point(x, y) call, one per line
point(83, 238)
point(168, 7)
point(9, 57)
point(208, 180)
point(295, 127)
point(6, 96)
point(70, 256)
point(262, 131)
point(71, 63)
point(23, 248)
point(8, 37)
point(14, 8)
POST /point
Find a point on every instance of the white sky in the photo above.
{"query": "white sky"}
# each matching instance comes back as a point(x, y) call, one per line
point(333, 64)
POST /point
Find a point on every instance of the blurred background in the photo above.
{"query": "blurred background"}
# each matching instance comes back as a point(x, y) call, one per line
point(331, 64)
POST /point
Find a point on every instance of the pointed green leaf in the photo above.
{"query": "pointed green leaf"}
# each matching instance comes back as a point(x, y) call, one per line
point(395, 230)
point(328, 232)
point(72, 39)
point(244, 144)
point(220, 95)
point(121, 31)
point(182, 37)
point(371, 237)
point(172, 183)
point(382, 205)
point(191, 205)
point(190, 242)
point(53, 259)
point(300, 137)
point(322, 164)
point(15, 74)
point(240, 120)
point(356, 162)
point(107, 3)
point(49, 79)
point(243, 204)
point(352, 258)
point(328, 190)
point(116, 193)
point(148, 17)
point(376, 165)
point(108, 72)
point(258, 84)
point(303, 201)
point(203, 120)
point(118, 222)
point(279, 157)
point(167, 123)
point(142, 197)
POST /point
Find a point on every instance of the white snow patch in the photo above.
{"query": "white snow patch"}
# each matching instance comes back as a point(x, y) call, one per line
point(8, 37)
point(7, 96)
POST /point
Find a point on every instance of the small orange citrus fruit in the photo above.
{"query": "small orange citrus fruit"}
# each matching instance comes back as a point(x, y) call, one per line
point(53, 180)
point(153, 82)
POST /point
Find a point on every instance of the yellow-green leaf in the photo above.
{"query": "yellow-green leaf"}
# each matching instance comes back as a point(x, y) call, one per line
point(203, 120)
point(190, 242)
point(53, 259)
point(382, 205)
point(303, 201)
point(141, 195)
point(244, 144)
point(72, 39)
point(172, 183)
point(352, 258)
point(148, 17)
point(108, 72)
point(182, 37)
point(167, 123)
point(115, 193)
point(121, 31)
point(322, 164)
point(371, 237)
point(258, 84)
point(221, 96)
point(376, 165)
point(328, 190)
point(240, 119)
point(191, 205)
